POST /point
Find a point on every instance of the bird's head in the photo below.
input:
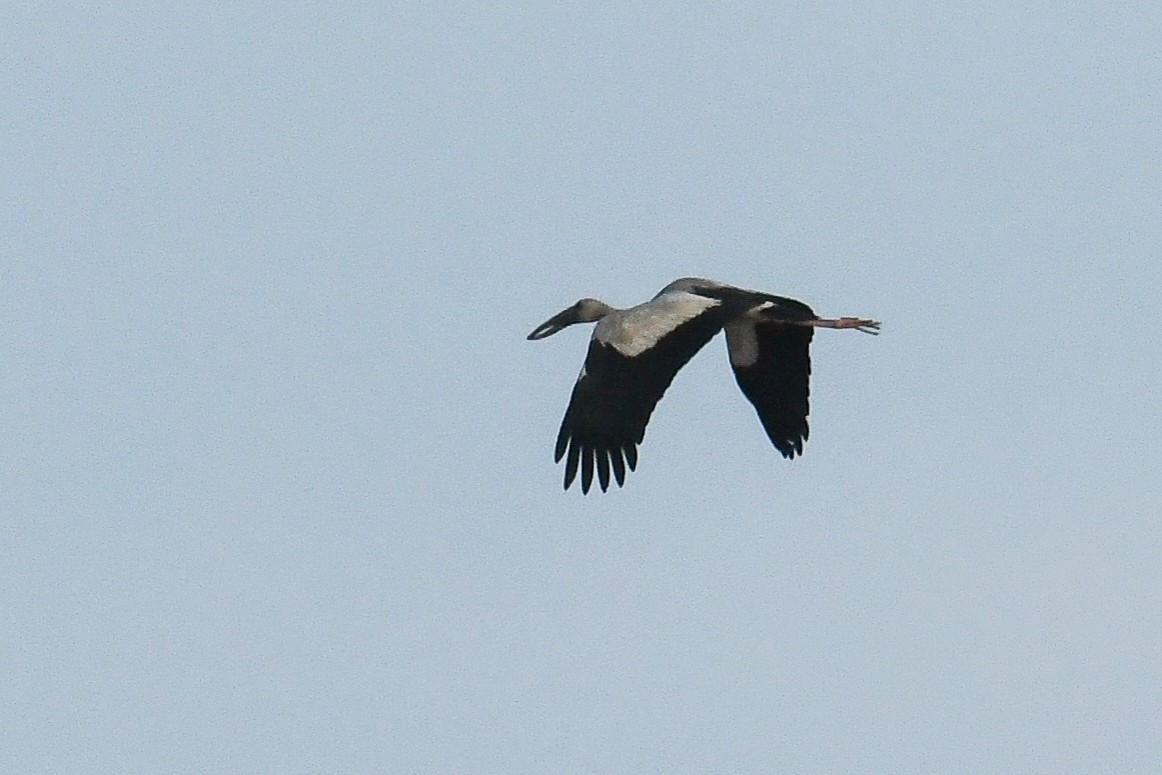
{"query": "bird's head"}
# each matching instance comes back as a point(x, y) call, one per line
point(584, 311)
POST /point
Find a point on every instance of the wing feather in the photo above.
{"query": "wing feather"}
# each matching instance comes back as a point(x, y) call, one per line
point(616, 393)
point(777, 378)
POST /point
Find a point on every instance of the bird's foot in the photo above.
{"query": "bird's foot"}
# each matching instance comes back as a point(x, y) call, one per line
point(859, 324)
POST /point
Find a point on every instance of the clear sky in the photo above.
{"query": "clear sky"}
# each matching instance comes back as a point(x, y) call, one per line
point(277, 491)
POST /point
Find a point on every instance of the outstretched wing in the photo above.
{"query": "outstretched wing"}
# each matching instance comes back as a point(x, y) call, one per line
point(772, 364)
point(616, 392)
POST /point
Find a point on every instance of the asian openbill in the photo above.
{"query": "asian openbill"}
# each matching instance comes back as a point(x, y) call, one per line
point(634, 354)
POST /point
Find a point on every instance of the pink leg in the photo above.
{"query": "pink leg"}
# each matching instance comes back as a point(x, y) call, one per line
point(859, 324)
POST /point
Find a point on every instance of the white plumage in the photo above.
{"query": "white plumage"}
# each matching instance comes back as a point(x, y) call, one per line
point(633, 331)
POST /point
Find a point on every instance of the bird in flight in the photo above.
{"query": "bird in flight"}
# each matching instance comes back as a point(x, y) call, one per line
point(634, 354)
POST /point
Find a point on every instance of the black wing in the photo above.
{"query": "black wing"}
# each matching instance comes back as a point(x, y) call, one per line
point(615, 395)
point(777, 383)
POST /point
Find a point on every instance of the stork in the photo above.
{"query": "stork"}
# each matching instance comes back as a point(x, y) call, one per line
point(634, 354)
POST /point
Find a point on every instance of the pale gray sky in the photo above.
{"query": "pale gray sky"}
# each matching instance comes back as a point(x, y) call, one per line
point(277, 491)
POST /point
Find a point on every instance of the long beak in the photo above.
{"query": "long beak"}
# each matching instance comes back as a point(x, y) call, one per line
point(562, 319)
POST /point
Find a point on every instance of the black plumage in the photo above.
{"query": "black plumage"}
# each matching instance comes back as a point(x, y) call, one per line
point(634, 354)
point(615, 396)
point(778, 383)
